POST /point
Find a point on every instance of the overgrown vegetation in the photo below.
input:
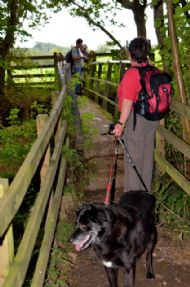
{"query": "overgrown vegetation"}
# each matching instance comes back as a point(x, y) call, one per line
point(15, 143)
point(59, 260)
point(78, 171)
point(173, 206)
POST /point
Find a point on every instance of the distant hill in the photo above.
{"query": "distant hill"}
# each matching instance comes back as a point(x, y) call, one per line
point(41, 48)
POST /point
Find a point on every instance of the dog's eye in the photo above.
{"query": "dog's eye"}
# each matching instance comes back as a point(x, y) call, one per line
point(83, 227)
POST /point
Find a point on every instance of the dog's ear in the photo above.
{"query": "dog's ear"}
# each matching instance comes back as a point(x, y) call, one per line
point(84, 206)
point(93, 213)
point(109, 216)
point(101, 215)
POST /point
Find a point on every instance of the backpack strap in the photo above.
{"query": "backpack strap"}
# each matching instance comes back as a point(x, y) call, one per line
point(142, 72)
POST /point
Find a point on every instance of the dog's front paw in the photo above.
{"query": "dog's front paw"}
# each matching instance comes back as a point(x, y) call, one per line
point(150, 275)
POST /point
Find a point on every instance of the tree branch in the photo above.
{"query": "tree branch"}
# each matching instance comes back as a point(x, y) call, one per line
point(96, 24)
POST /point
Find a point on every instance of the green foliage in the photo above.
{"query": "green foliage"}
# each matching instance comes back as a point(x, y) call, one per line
point(77, 172)
point(13, 14)
point(59, 261)
point(15, 143)
point(173, 203)
point(88, 127)
point(39, 108)
point(68, 115)
point(13, 118)
point(182, 22)
point(74, 159)
point(30, 100)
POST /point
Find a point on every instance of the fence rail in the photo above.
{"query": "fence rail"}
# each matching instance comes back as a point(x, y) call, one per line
point(23, 70)
point(46, 160)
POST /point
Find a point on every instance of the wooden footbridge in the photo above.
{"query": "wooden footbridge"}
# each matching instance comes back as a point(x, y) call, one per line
point(46, 160)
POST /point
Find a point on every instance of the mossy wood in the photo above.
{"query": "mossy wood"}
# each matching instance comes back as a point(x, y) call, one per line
point(165, 166)
point(107, 87)
point(7, 243)
point(176, 142)
point(40, 271)
point(19, 267)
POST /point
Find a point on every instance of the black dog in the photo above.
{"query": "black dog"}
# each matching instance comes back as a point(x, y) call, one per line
point(119, 233)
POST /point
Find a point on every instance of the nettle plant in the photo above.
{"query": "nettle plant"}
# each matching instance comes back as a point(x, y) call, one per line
point(173, 204)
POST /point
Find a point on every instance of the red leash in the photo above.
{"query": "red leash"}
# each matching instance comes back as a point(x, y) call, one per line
point(110, 188)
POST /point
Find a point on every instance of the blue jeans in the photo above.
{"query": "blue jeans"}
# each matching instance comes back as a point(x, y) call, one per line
point(78, 71)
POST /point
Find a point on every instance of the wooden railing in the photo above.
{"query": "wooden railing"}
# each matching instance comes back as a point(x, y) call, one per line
point(45, 158)
point(100, 83)
point(35, 70)
point(102, 88)
point(40, 70)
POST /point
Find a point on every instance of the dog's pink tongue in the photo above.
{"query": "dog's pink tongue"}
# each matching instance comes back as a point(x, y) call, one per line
point(77, 247)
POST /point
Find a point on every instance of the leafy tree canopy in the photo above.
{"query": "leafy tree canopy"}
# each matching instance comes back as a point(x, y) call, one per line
point(15, 17)
point(18, 15)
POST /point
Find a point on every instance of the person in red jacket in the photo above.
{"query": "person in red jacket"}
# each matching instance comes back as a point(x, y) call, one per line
point(141, 139)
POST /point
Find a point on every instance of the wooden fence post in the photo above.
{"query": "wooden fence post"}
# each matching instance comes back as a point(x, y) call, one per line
point(92, 72)
point(55, 60)
point(40, 122)
point(107, 88)
point(54, 97)
point(7, 242)
point(99, 77)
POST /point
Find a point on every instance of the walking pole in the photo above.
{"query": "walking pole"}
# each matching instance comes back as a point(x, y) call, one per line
point(132, 163)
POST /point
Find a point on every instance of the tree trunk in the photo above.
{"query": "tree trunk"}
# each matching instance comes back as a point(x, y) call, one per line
point(138, 9)
point(159, 15)
point(7, 42)
point(2, 81)
point(177, 68)
point(139, 17)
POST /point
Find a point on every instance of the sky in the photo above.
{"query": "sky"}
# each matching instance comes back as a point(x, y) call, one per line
point(63, 30)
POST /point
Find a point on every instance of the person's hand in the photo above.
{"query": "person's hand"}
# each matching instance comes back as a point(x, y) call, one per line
point(118, 130)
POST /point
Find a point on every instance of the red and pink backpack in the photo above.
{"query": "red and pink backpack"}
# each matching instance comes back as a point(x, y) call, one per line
point(154, 98)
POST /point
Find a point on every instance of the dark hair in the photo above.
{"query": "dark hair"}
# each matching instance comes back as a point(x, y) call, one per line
point(79, 41)
point(139, 49)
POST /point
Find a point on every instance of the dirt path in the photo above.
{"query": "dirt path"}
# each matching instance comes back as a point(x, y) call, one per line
point(171, 256)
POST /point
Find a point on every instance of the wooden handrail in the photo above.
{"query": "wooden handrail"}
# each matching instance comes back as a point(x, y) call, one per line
point(19, 267)
point(48, 196)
